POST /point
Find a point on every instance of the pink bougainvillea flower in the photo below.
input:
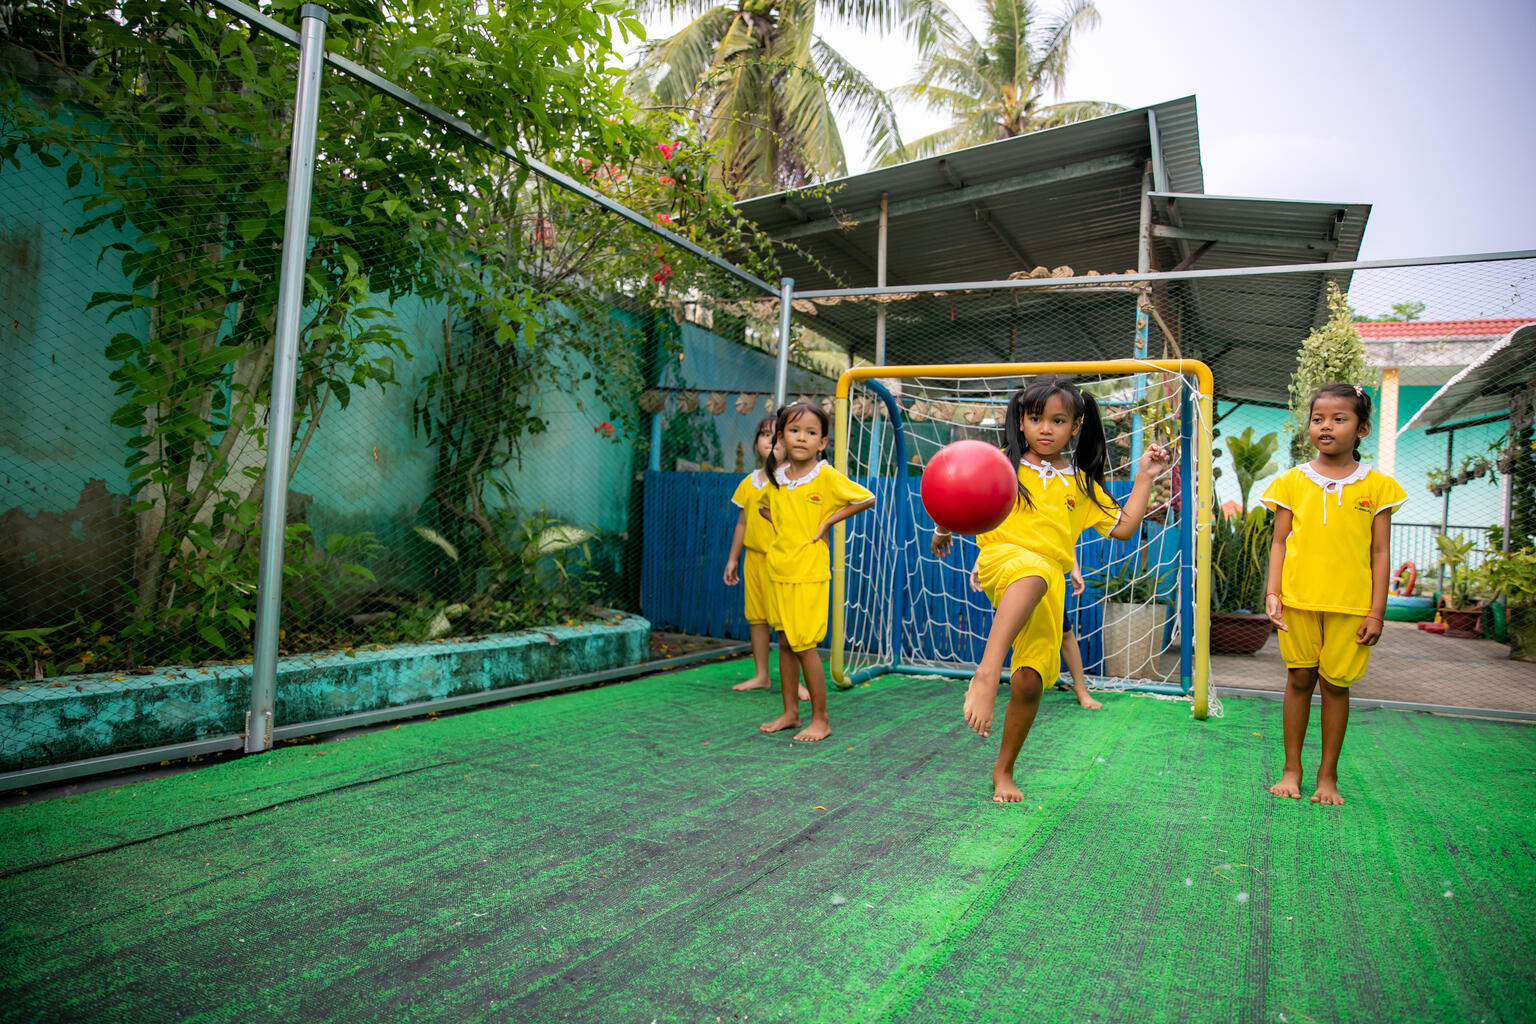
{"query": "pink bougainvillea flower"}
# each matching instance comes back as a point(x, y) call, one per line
point(604, 428)
point(668, 149)
point(585, 164)
point(665, 180)
point(664, 218)
point(663, 275)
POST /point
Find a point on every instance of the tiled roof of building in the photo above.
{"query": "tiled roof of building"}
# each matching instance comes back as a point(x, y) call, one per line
point(1404, 329)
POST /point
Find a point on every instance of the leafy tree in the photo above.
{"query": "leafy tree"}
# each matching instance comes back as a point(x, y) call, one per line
point(1331, 354)
point(995, 87)
point(1401, 311)
point(759, 84)
point(172, 124)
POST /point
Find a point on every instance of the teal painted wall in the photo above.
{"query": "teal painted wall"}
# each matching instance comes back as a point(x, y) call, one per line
point(1473, 504)
point(55, 435)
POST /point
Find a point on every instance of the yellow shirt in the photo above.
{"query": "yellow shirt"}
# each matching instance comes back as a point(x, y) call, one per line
point(1328, 554)
point(1061, 511)
point(799, 507)
point(758, 534)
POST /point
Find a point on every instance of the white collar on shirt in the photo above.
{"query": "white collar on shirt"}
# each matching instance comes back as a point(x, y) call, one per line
point(1332, 486)
point(1328, 483)
point(1047, 471)
point(781, 474)
point(759, 479)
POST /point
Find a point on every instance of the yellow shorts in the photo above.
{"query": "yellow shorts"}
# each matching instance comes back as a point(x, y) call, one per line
point(799, 611)
point(756, 585)
point(1038, 645)
point(1325, 640)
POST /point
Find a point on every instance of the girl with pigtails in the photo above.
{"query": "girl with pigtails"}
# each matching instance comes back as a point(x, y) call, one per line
point(1022, 564)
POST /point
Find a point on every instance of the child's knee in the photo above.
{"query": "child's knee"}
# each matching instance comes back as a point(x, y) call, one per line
point(1024, 687)
point(1303, 679)
point(1333, 690)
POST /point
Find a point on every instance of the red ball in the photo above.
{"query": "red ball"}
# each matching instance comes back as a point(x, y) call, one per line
point(969, 487)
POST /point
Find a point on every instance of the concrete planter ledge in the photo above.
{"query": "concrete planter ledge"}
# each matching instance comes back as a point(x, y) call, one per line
point(73, 718)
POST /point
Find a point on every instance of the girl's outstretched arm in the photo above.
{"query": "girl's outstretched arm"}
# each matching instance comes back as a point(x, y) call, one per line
point(1153, 461)
point(1274, 607)
point(1381, 542)
point(738, 541)
point(836, 517)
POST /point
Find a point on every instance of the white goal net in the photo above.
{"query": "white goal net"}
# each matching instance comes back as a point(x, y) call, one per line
point(904, 610)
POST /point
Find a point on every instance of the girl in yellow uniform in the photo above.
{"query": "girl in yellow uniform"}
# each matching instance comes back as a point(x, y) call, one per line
point(751, 540)
point(804, 499)
point(1022, 565)
point(1327, 588)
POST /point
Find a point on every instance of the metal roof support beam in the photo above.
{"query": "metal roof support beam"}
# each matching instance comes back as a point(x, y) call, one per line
point(1159, 169)
point(984, 216)
point(1192, 258)
point(885, 225)
point(1244, 238)
point(970, 193)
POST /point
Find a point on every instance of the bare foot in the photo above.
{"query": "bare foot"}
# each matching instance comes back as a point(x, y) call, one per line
point(804, 694)
point(1327, 792)
point(980, 702)
point(1289, 785)
point(755, 683)
point(1085, 700)
point(817, 730)
point(788, 720)
point(1004, 791)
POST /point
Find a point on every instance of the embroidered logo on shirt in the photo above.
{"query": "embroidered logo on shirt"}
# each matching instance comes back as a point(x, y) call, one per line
point(814, 498)
point(1364, 505)
point(1071, 503)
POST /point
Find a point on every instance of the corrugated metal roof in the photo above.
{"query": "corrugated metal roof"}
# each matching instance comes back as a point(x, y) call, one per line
point(1485, 387)
point(1064, 196)
point(1067, 197)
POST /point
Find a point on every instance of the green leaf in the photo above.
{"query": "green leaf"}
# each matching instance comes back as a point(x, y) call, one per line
point(208, 633)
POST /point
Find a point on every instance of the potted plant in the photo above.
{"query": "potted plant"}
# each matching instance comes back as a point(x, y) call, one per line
point(1513, 574)
point(1435, 481)
point(1134, 616)
point(1239, 571)
point(1474, 467)
point(1460, 608)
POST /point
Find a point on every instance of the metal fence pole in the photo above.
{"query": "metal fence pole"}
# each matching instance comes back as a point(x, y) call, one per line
point(781, 373)
point(274, 505)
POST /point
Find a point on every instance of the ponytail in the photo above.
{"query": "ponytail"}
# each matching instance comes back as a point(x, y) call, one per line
point(1015, 439)
point(1091, 453)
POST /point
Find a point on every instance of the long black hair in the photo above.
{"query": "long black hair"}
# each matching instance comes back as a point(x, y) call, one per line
point(767, 425)
point(1355, 393)
point(1090, 453)
point(788, 413)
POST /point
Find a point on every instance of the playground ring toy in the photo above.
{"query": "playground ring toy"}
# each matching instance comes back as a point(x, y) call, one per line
point(1404, 579)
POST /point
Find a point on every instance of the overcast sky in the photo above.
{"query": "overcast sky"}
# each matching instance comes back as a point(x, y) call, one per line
point(1424, 110)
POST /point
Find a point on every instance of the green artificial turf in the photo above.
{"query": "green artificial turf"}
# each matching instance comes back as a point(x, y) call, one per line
point(640, 852)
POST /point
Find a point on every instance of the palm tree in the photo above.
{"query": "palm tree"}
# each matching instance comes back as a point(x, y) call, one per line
point(993, 88)
point(759, 84)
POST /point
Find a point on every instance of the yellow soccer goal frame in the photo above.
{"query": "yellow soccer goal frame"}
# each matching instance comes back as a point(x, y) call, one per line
point(1198, 495)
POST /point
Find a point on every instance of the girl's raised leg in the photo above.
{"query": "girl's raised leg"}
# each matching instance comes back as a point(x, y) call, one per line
point(1015, 608)
point(1299, 684)
point(762, 636)
point(1023, 701)
point(1335, 721)
point(816, 681)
